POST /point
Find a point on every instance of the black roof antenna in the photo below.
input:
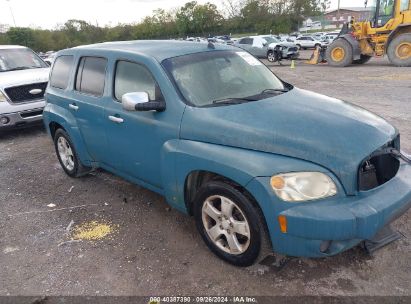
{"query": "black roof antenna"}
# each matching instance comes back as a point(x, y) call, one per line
point(211, 45)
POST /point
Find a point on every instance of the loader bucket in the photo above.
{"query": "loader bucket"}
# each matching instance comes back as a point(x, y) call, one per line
point(314, 57)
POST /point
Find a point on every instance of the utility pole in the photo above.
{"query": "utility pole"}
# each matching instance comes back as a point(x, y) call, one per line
point(338, 13)
point(11, 12)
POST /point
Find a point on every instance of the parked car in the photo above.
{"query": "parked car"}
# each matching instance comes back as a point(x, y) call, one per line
point(305, 42)
point(213, 130)
point(318, 35)
point(23, 81)
point(50, 59)
point(289, 50)
point(263, 47)
point(328, 38)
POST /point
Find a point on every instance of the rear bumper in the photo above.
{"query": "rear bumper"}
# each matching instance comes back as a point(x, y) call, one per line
point(337, 223)
point(21, 118)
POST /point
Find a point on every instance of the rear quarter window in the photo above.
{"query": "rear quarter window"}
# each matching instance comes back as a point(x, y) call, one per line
point(61, 72)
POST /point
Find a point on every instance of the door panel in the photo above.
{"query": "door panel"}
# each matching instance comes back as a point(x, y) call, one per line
point(136, 138)
point(87, 104)
point(89, 112)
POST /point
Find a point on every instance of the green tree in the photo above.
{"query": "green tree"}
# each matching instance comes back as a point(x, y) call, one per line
point(193, 19)
point(20, 36)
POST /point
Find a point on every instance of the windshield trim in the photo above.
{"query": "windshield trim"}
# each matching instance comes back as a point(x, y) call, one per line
point(286, 85)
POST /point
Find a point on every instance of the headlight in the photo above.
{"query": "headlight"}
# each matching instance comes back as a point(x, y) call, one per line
point(2, 97)
point(302, 186)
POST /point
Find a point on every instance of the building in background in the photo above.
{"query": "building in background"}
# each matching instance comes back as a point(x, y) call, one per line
point(344, 14)
point(334, 19)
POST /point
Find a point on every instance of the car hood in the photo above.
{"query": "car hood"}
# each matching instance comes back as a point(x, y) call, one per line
point(300, 124)
point(17, 78)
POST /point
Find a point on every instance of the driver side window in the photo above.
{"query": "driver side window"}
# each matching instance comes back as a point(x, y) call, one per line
point(133, 77)
point(386, 8)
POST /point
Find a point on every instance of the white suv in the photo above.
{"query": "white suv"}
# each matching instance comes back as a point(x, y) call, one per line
point(305, 42)
point(23, 81)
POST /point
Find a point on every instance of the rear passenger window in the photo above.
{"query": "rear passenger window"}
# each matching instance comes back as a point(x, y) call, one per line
point(133, 77)
point(91, 75)
point(61, 72)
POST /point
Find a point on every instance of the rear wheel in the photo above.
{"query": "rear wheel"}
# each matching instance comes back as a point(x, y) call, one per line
point(399, 50)
point(299, 46)
point(339, 53)
point(67, 155)
point(363, 59)
point(229, 223)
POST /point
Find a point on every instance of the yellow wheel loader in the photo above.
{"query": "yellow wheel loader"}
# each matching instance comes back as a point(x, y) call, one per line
point(387, 33)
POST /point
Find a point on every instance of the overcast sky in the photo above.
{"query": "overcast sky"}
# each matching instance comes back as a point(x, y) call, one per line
point(49, 13)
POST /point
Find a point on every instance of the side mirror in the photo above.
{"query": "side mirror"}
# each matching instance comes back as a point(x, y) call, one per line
point(139, 101)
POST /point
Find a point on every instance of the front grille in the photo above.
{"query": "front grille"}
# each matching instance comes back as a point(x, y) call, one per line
point(22, 93)
point(379, 167)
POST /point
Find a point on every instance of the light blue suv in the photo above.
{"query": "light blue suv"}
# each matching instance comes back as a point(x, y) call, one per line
point(255, 160)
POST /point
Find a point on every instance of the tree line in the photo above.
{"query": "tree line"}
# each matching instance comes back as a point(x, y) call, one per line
point(192, 19)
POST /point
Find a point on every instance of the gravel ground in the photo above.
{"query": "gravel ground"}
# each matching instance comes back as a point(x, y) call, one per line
point(154, 250)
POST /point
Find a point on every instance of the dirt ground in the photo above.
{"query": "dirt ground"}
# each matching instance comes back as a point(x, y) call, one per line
point(153, 250)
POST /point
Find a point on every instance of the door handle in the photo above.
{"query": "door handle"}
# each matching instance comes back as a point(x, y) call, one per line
point(73, 106)
point(116, 119)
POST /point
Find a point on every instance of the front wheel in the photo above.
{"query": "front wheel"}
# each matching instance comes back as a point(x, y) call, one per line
point(229, 223)
point(339, 53)
point(271, 56)
point(399, 50)
point(67, 155)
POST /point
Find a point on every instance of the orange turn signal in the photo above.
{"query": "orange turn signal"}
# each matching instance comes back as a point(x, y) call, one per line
point(282, 219)
point(277, 182)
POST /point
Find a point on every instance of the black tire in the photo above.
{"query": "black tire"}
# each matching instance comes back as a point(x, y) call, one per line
point(270, 56)
point(78, 169)
point(257, 234)
point(363, 59)
point(317, 45)
point(346, 59)
point(393, 52)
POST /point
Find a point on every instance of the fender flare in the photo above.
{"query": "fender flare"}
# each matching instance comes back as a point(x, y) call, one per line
point(354, 44)
point(63, 117)
point(401, 29)
point(179, 158)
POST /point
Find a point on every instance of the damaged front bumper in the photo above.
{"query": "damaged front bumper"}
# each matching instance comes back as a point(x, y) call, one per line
point(330, 226)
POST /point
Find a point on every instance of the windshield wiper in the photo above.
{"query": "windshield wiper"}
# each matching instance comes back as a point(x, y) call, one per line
point(274, 91)
point(233, 100)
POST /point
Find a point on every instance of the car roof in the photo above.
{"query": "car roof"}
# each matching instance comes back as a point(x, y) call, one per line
point(158, 49)
point(5, 47)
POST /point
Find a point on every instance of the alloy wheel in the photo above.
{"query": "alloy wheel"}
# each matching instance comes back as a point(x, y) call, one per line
point(66, 153)
point(226, 225)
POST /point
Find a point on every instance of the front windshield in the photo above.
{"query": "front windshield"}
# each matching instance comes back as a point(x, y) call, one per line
point(221, 77)
point(386, 7)
point(19, 59)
